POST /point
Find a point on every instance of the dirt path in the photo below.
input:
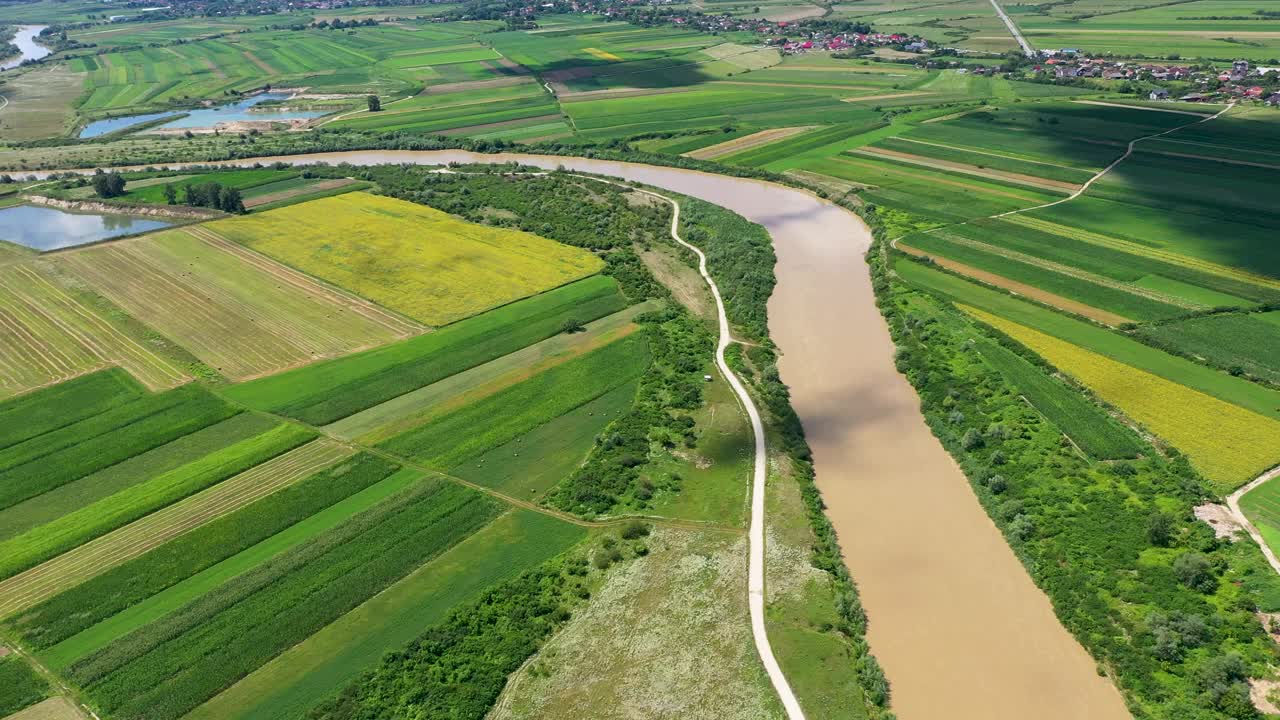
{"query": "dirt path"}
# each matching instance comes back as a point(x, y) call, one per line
point(1233, 502)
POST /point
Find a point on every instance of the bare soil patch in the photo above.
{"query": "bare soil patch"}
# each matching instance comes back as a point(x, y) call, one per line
point(305, 190)
point(764, 137)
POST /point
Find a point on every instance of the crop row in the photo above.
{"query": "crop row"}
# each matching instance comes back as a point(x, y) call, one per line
point(503, 416)
point(789, 147)
point(169, 667)
point(325, 392)
point(69, 531)
point(1093, 430)
point(47, 461)
point(57, 406)
point(985, 159)
point(71, 612)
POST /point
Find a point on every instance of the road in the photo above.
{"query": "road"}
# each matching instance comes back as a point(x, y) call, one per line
point(1013, 30)
point(755, 566)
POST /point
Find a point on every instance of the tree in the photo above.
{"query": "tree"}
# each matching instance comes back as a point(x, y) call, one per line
point(1160, 529)
point(170, 195)
point(229, 200)
point(108, 185)
point(375, 105)
point(1195, 570)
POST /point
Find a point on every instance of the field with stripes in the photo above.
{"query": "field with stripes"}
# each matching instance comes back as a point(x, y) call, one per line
point(1152, 286)
point(180, 539)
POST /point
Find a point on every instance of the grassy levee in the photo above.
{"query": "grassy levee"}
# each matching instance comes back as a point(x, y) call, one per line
point(57, 406)
point(409, 410)
point(1255, 398)
point(95, 638)
point(89, 489)
point(329, 391)
point(1226, 443)
point(73, 530)
point(1095, 432)
point(323, 663)
point(529, 465)
point(414, 259)
point(228, 633)
point(48, 461)
point(122, 587)
point(499, 418)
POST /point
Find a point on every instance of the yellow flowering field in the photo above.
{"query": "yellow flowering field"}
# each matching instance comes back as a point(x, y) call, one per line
point(1226, 443)
point(424, 263)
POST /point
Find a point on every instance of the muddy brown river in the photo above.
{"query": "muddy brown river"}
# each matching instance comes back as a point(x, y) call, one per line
point(962, 632)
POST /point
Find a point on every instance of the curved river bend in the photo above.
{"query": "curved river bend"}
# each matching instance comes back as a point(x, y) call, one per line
point(961, 630)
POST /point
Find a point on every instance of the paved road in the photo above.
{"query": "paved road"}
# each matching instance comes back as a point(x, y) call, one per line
point(1013, 29)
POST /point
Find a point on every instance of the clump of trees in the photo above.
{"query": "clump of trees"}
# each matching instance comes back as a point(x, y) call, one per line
point(208, 195)
point(108, 185)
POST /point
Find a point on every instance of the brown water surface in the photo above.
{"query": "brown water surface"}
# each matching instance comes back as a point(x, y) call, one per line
point(962, 632)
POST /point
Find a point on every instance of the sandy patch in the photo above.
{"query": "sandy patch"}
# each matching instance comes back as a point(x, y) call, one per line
point(967, 169)
point(1219, 518)
point(764, 137)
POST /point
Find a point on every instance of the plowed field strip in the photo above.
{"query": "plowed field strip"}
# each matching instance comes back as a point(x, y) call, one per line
point(974, 170)
point(106, 341)
point(91, 559)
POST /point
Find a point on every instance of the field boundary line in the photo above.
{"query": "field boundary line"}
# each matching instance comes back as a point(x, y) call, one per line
point(1233, 503)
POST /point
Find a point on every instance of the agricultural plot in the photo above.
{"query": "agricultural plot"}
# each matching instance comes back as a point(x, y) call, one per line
point(1262, 506)
point(410, 258)
point(151, 190)
point(312, 670)
point(472, 429)
point(1240, 343)
point(326, 392)
point(1181, 371)
point(242, 316)
point(1228, 444)
point(414, 408)
point(52, 329)
point(253, 618)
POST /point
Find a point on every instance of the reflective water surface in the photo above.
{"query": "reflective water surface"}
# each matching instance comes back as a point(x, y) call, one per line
point(205, 117)
point(46, 228)
point(25, 39)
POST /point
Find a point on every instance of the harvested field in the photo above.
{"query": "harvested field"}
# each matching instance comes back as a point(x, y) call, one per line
point(49, 334)
point(764, 137)
point(413, 259)
point(244, 318)
point(54, 708)
point(86, 561)
point(1018, 288)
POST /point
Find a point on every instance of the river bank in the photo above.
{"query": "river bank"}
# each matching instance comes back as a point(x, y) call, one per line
point(956, 622)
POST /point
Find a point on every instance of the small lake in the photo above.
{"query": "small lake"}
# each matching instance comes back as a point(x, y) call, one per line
point(206, 117)
point(45, 228)
point(25, 39)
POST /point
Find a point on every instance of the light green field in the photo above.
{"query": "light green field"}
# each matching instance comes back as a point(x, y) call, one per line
point(412, 259)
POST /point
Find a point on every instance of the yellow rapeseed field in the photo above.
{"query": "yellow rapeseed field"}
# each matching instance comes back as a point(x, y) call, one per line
point(602, 54)
point(421, 262)
point(1226, 443)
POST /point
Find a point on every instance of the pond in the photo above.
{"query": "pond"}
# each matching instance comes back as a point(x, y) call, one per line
point(205, 117)
point(45, 228)
point(25, 39)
